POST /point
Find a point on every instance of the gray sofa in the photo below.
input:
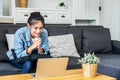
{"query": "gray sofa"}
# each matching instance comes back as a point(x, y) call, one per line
point(87, 39)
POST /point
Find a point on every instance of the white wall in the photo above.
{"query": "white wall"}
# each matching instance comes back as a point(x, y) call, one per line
point(110, 17)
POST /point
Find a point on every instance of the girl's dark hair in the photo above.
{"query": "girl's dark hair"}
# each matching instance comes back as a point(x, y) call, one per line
point(34, 18)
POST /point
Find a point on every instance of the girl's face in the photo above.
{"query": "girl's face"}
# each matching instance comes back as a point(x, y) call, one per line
point(36, 29)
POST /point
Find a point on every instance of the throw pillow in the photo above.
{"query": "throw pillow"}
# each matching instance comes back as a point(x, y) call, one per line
point(10, 40)
point(96, 40)
point(62, 45)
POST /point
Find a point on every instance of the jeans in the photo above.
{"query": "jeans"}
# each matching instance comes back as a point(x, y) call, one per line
point(26, 66)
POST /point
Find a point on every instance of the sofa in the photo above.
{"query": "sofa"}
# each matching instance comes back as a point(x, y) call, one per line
point(89, 38)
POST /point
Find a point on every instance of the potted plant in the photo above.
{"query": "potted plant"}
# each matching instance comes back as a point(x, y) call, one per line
point(89, 64)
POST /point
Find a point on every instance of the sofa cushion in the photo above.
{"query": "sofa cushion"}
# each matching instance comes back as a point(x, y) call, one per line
point(3, 45)
point(77, 33)
point(73, 63)
point(3, 42)
point(10, 40)
point(96, 40)
point(3, 50)
point(12, 30)
point(109, 65)
point(116, 46)
point(56, 30)
point(7, 69)
point(62, 45)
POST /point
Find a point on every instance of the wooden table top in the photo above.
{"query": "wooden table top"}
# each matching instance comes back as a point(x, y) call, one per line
point(76, 77)
point(16, 77)
point(75, 74)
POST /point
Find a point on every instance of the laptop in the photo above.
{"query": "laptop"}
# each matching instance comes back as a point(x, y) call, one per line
point(47, 67)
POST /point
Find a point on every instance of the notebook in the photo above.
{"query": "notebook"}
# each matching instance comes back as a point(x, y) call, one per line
point(51, 67)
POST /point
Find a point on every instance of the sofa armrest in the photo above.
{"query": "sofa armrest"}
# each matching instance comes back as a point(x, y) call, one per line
point(116, 46)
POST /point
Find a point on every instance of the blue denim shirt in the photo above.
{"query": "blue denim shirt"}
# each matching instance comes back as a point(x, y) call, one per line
point(22, 41)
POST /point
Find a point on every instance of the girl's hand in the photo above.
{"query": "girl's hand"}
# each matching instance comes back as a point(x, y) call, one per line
point(37, 42)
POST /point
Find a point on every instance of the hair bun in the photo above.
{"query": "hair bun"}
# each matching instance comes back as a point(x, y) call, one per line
point(35, 14)
point(35, 17)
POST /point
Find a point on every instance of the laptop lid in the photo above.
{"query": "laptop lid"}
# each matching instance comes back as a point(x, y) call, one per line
point(51, 67)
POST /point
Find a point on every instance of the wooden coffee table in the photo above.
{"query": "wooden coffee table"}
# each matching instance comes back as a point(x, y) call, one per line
point(69, 75)
point(75, 75)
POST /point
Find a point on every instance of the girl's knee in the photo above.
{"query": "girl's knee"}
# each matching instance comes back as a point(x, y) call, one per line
point(28, 64)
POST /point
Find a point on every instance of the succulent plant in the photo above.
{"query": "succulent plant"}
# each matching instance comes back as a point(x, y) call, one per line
point(89, 58)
